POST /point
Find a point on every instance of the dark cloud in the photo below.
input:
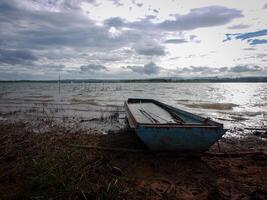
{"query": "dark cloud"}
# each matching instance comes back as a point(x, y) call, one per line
point(150, 49)
point(245, 68)
point(202, 17)
point(261, 55)
point(239, 26)
point(137, 4)
point(192, 37)
point(114, 21)
point(196, 18)
point(249, 49)
point(63, 4)
point(54, 35)
point(93, 68)
point(45, 29)
point(247, 36)
point(148, 69)
point(44, 68)
point(14, 75)
point(155, 11)
point(29, 71)
point(16, 56)
point(117, 2)
point(222, 69)
point(111, 57)
point(175, 58)
point(38, 29)
point(52, 67)
point(175, 41)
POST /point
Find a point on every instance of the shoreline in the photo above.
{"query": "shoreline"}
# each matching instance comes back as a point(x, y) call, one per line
point(237, 79)
point(46, 165)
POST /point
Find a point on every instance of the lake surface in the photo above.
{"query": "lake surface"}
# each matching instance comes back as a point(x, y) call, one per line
point(236, 105)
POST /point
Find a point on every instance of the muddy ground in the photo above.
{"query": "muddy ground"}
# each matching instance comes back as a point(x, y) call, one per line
point(50, 166)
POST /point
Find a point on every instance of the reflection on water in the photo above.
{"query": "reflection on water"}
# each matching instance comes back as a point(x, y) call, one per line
point(234, 104)
point(214, 106)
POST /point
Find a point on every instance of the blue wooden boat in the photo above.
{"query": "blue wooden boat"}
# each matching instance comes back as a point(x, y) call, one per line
point(164, 128)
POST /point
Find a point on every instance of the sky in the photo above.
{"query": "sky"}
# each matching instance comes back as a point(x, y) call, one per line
point(132, 39)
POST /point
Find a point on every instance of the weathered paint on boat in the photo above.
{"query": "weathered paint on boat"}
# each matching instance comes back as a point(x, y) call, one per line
point(188, 136)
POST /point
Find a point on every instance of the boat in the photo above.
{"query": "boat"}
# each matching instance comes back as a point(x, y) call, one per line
point(162, 127)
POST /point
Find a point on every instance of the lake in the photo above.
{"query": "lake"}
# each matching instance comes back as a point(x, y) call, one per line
point(236, 105)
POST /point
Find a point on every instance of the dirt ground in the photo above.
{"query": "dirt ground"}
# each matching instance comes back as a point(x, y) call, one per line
point(50, 166)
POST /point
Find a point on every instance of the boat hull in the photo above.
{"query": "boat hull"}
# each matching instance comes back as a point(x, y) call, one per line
point(179, 139)
point(190, 136)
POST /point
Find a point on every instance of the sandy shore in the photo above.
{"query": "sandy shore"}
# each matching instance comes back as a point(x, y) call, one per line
point(48, 166)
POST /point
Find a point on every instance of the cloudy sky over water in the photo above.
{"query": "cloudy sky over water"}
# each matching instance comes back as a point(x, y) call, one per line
point(132, 38)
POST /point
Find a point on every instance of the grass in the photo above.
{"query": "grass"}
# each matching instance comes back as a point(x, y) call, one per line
point(45, 166)
point(73, 179)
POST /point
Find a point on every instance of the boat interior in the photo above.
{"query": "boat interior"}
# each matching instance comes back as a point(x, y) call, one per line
point(149, 111)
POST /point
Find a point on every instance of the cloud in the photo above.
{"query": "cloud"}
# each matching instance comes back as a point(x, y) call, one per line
point(13, 57)
point(137, 3)
point(193, 69)
point(203, 70)
point(201, 17)
point(114, 21)
point(239, 26)
point(42, 37)
point(261, 55)
point(30, 71)
point(44, 28)
point(111, 57)
point(150, 49)
point(117, 2)
point(93, 68)
point(57, 5)
point(55, 35)
point(175, 41)
point(197, 18)
point(245, 68)
point(47, 29)
point(249, 49)
point(148, 69)
point(44, 68)
point(192, 37)
point(265, 6)
point(247, 36)
point(52, 67)
point(155, 11)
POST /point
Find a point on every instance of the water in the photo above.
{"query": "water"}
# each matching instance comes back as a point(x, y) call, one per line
point(236, 105)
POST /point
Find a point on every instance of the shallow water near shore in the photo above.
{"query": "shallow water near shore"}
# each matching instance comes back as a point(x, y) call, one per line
point(236, 105)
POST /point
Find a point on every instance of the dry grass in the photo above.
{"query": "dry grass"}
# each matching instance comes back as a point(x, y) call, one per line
point(45, 166)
